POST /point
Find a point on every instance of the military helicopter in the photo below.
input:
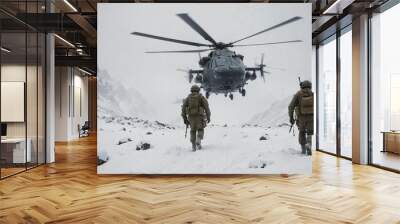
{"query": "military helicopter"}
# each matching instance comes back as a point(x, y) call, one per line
point(222, 70)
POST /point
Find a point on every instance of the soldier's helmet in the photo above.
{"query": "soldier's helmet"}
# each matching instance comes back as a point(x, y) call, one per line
point(195, 88)
point(305, 84)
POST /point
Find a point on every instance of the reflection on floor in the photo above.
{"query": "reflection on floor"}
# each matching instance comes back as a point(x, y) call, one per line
point(10, 171)
point(70, 191)
point(387, 159)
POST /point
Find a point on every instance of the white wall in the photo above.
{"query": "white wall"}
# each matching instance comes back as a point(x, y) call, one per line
point(71, 102)
point(17, 73)
point(33, 126)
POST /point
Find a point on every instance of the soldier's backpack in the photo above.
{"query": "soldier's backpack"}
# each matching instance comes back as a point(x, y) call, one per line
point(194, 104)
point(306, 106)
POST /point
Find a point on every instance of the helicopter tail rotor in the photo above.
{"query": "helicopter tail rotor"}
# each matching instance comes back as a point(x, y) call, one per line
point(261, 67)
point(189, 74)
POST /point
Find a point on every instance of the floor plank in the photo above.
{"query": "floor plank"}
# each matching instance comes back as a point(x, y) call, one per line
point(70, 191)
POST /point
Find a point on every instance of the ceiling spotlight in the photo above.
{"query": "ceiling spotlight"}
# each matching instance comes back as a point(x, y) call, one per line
point(79, 51)
point(5, 50)
point(70, 5)
point(64, 40)
point(84, 71)
point(338, 6)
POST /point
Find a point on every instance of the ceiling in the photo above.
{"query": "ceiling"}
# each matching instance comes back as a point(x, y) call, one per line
point(75, 21)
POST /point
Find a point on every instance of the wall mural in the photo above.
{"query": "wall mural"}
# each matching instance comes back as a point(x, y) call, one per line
point(204, 89)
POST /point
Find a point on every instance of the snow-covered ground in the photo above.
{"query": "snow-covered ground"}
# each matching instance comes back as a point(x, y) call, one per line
point(226, 149)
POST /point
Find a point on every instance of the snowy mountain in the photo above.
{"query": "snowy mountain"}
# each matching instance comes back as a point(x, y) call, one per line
point(115, 100)
point(276, 114)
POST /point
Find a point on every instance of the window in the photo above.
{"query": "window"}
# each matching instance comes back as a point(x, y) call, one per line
point(22, 76)
point(327, 95)
point(346, 93)
point(385, 89)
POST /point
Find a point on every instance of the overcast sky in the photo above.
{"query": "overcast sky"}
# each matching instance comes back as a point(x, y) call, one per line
point(156, 77)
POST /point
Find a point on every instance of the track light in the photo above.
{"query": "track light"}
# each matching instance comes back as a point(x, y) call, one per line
point(84, 71)
point(5, 50)
point(70, 5)
point(65, 41)
point(337, 7)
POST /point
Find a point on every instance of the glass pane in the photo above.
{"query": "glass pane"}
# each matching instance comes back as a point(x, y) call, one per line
point(313, 80)
point(41, 98)
point(385, 86)
point(327, 96)
point(346, 94)
point(31, 100)
point(13, 87)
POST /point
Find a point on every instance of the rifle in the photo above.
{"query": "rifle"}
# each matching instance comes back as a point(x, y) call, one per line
point(186, 130)
point(299, 80)
point(291, 128)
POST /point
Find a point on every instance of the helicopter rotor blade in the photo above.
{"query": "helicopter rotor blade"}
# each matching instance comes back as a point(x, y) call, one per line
point(183, 51)
point(182, 70)
point(188, 20)
point(190, 76)
point(293, 19)
point(171, 39)
point(275, 68)
point(262, 72)
point(262, 65)
point(262, 60)
point(269, 43)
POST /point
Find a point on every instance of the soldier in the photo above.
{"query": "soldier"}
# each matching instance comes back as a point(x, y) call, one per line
point(195, 112)
point(303, 105)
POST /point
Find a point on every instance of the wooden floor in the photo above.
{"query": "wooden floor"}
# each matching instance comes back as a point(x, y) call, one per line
point(5, 172)
point(387, 159)
point(70, 191)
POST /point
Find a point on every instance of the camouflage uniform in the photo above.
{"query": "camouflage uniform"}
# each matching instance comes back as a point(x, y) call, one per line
point(304, 122)
point(198, 120)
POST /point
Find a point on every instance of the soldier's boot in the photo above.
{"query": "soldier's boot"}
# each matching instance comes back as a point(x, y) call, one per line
point(200, 135)
point(303, 149)
point(198, 143)
point(193, 139)
point(308, 145)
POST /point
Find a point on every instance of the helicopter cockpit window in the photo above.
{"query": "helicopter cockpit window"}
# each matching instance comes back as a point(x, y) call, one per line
point(220, 61)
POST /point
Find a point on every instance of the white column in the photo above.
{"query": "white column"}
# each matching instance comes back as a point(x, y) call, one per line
point(360, 90)
point(50, 92)
point(50, 99)
point(62, 103)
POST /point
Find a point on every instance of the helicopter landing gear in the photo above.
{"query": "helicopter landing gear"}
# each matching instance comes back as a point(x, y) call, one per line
point(243, 92)
point(253, 76)
point(247, 75)
point(231, 96)
point(207, 94)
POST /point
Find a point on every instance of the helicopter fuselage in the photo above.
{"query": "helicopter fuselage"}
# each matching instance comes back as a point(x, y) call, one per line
point(223, 72)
